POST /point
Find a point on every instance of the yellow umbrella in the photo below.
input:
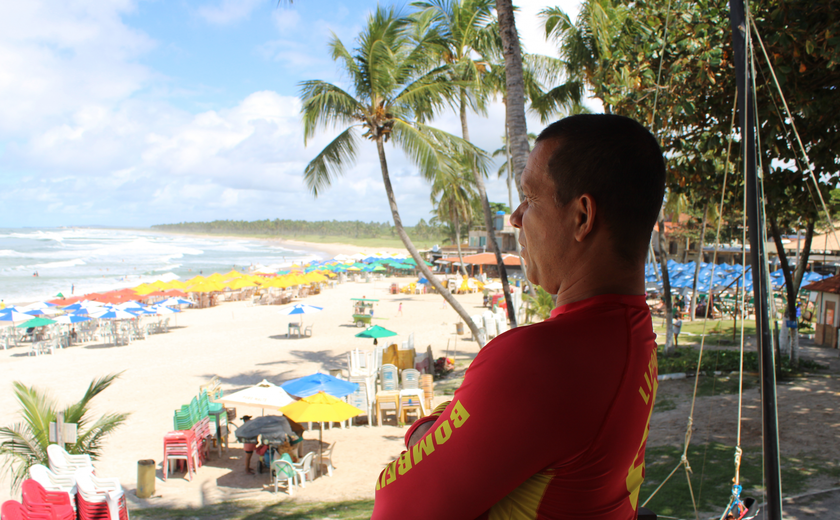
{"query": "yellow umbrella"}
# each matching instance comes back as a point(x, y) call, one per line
point(144, 289)
point(160, 284)
point(232, 274)
point(174, 284)
point(320, 407)
point(217, 277)
point(205, 287)
point(194, 280)
point(240, 283)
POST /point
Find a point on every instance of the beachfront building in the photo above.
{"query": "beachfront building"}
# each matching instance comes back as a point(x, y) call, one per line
point(504, 235)
point(826, 297)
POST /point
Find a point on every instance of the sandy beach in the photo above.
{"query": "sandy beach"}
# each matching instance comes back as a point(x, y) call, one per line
point(242, 344)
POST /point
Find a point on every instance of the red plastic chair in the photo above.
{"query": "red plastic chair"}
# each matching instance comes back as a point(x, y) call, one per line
point(38, 501)
point(100, 499)
point(180, 445)
point(11, 510)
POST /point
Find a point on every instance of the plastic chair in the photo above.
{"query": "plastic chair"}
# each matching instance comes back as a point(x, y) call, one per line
point(427, 383)
point(361, 398)
point(180, 445)
point(410, 378)
point(64, 464)
point(388, 377)
point(100, 498)
point(284, 470)
point(11, 510)
point(37, 501)
point(304, 468)
point(387, 401)
point(52, 482)
point(325, 459)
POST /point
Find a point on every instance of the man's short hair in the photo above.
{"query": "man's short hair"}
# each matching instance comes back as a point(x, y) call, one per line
point(619, 163)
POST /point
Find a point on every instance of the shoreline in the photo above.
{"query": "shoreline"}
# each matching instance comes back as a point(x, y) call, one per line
point(331, 249)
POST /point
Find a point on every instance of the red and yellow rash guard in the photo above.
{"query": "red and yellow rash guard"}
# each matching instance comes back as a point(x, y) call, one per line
point(550, 423)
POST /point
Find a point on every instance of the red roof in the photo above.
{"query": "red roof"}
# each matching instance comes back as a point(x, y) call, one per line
point(829, 285)
point(487, 259)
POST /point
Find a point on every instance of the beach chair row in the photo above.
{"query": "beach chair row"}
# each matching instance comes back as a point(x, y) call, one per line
point(195, 426)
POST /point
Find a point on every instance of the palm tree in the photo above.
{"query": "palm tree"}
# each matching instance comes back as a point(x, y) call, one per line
point(396, 88)
point(467, 30)
point(24, 444)
point(515, 88)
point(453, 193)
point(586, 46)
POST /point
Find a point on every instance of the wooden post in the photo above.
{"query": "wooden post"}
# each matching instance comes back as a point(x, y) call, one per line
point(59, 429)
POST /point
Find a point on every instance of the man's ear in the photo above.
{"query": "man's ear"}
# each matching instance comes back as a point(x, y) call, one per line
point(585, 219)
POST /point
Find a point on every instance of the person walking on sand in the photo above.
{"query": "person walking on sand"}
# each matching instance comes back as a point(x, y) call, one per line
point(399, 310)
point(593, 188)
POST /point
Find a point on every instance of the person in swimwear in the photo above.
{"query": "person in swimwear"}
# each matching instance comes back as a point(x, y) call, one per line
point(582, 383)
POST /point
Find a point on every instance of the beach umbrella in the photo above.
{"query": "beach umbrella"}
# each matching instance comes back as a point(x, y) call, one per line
point(164, 310)
point(36, 322)
point(175, 301)
point(112, 314)
point(299, 308)
point(262, 395)
point(71, 318)
point(318, 382)
point(240, 283)
point(494, 286)
point(145, 288)
point(320, 407)
point(274, 428)
point(376, 332)
point(13, 315)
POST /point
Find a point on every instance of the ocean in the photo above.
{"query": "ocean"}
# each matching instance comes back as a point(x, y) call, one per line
point(75, 261)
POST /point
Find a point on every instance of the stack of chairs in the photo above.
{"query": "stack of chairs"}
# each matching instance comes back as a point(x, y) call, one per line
point(100, 498)
point(427, 383)
point(54, 482)
point(63, 464)
point(180, 445)
point(411, 396)
point(38, 503)
point(193, 429)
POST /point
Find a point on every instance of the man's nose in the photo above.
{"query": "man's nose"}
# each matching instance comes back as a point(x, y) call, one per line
point(516, 217)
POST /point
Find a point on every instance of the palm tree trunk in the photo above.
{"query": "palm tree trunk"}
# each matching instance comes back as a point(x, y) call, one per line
point(693, 305)
point(457, 223)
point(488, 219)
point(515, 90)
point(398, 225)
point(510, 180)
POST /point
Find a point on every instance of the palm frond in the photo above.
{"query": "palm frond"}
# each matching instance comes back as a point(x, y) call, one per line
point(430, 148)
point(331, 162)
point(326, 105)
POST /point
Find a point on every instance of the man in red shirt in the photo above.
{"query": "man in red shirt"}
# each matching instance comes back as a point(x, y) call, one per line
point(575, 392)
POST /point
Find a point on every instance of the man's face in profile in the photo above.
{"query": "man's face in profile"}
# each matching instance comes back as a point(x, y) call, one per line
point(546, 231)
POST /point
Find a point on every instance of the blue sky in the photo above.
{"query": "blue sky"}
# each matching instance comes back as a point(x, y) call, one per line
point(138, 112)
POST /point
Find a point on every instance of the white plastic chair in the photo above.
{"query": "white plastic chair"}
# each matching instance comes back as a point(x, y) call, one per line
point(325, 459)
point(282, 469)
point(98, 490)
point(64, 464)
point(52, 482)
point(410, 378)
point(304, 468)
point(388, 377)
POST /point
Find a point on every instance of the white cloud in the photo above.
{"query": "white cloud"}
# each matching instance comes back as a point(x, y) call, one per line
point(228, 11)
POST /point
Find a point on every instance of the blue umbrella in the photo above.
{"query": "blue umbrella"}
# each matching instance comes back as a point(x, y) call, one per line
point(71, 318)
point(300, 308)
point(311, 385)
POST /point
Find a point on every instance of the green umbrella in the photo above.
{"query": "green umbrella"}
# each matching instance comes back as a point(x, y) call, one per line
point(376, 332)
point(378, 268)
point(35, 322)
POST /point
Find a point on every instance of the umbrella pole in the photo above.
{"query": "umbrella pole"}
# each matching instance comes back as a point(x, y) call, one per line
point(320, 447)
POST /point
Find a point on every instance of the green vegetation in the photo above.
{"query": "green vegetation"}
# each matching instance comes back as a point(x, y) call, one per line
point(325, 231)
point(24, 444)
point(711, 479)
point(539, 307)
point(719, 332)
point(685, 360)
point(287, 509)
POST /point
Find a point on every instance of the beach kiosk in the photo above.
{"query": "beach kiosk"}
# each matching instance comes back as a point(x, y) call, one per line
point(826, 296)
point(362, 311)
